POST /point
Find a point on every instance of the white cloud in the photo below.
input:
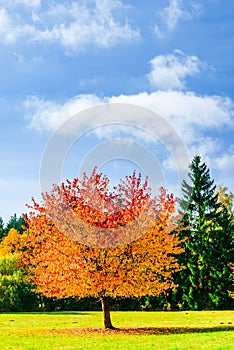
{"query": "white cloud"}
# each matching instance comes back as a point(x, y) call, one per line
point(187, 112)
point(170, 71)
point(220, 161)
point(74, 26)
point(205, 146)
point(183, 109)
point(224, 161)
point(47, 115)
point(96, 26)
point(190, 116)
point(113, 131)
point(10, 32)
point(176, 11)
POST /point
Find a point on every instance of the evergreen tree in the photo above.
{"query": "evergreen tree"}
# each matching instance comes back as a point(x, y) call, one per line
point(207, 281)
point(16, 223)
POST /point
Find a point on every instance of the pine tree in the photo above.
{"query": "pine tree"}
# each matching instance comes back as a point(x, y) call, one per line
point(16, 223)
point(207, 281)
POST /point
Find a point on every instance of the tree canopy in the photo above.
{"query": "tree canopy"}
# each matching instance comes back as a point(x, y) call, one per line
point(87, 241)
point(207, 281)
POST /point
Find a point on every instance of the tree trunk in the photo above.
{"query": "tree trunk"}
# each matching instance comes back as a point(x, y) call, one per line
point(106, 314)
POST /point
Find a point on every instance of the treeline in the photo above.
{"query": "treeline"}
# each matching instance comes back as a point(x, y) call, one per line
point(15, 222)
point(205, 282)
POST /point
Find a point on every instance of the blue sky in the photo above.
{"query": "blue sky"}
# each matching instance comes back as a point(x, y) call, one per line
point(57, 58)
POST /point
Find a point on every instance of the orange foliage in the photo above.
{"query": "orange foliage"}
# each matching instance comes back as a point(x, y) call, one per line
point(85, 241)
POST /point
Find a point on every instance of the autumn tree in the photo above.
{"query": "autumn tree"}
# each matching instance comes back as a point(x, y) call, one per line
point(207, 281)
point(87, 241)
point(227, 198)
point(15, 287)
point(11, 243)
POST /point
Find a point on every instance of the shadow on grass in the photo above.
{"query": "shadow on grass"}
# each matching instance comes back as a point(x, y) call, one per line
point(145, 330)
point(176, 330)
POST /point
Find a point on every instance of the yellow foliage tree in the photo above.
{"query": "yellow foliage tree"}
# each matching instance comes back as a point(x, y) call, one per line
point(11, 243)
point(227, 198)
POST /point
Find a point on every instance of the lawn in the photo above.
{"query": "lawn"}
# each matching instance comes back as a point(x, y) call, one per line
point(135, 330)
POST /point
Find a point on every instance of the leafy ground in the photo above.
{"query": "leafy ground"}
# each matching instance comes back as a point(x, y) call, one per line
point(135, 330)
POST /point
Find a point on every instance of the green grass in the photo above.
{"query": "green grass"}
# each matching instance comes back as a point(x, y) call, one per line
point(136, 330)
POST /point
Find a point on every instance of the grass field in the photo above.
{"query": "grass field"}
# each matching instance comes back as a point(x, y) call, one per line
point(135, 330)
